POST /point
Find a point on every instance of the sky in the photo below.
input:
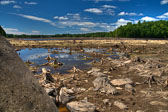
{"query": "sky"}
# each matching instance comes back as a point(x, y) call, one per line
point(76, 16)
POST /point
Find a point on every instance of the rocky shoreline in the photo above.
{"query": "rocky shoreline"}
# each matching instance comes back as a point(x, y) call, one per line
point(129, 84)
point(137, 81)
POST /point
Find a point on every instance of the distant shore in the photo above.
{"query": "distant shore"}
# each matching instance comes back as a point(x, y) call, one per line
point(99, 42)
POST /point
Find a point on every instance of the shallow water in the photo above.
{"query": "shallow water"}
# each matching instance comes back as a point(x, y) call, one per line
point(69, 58)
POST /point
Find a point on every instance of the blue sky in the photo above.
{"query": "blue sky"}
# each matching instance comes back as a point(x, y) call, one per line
point(76, 16)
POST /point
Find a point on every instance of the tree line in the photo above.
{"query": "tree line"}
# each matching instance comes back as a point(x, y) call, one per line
point(154, 29)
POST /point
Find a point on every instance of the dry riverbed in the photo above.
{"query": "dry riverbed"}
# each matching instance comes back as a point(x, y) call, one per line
point(136, 82)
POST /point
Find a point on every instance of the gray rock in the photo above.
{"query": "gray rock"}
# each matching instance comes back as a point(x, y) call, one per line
point(19, 90)
point(120, 105)
point(81, 106)
point(66, 95)
point(103, 85)
point(120, 82)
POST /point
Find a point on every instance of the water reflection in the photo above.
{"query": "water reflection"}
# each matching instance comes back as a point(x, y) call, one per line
point(69, 60)
point(68, 57)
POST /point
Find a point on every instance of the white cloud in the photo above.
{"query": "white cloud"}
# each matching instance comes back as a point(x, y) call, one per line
point(163, 16)
point(31, 3)
point(106, 9)
point(78, 23)
point(61, 18)
point(37, 19)
point(13, 31)
point(109, 6)
point(94, 10)
point(5, 2)
point(84, 29)
point(147, 18)
point(75, 16)
point(17, 7)
point(17, 32)
point(163, 2)
point(130, 14)
point(121, 22)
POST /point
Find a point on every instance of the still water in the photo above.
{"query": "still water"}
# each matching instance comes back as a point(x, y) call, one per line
point(68, 57)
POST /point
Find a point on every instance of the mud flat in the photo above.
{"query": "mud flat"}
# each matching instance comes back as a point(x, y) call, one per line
point(75, 43)
point(137, 81)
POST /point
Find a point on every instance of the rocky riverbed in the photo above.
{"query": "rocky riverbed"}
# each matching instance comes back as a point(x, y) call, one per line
point(137, 81)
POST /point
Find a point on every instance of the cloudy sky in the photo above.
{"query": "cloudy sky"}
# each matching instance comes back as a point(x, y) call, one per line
point(76, 16)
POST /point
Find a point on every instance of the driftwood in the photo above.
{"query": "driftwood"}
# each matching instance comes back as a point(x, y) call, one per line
point(151, 80)
point(47, 75)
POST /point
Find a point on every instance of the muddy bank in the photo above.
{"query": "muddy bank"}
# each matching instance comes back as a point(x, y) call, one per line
point(137, 81)
point(18, 43)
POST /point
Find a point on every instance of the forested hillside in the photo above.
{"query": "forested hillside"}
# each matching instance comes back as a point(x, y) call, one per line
point(2, 32)
point(155, 29)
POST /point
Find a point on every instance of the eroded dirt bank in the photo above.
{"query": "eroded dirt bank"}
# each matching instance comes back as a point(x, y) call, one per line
point(136, 82)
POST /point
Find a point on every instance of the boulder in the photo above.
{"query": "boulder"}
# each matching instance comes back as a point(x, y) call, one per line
point(19, 90)
point(103, 85)
point(120, 82)
point(81, 106)
point(66, 95)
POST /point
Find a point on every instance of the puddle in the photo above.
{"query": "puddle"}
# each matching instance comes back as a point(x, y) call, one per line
point(68, 57)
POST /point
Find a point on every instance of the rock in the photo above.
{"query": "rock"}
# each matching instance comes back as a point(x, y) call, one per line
point(163, 110)
point(106, 101)
point(119, 88)
point(120, 82)
point(98, 74)
point(127, 62)
point(66, 95)
point(93, 70)
point(138, 59)
point(48, 77)
point(108, 58)
point(44, 71)
point(129, 88)
point(50, 91)
point(19, 90)
point(79, 90)
point(81, 106)
point(158, 103)
point(103, 85)
point(86, 81)
point(140, 111)
point(120, 105)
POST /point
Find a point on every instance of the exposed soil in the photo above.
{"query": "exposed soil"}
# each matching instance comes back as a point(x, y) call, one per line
point(139, 59)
